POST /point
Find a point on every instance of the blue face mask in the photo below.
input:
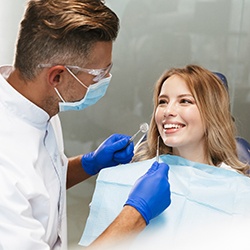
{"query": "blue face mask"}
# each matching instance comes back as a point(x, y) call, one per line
point(94, 93)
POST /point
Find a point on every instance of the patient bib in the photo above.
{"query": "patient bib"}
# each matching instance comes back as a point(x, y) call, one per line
point(210, 206)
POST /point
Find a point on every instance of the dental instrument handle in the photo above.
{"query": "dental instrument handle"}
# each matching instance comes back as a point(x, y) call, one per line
point(157, 149)
point(133, 137)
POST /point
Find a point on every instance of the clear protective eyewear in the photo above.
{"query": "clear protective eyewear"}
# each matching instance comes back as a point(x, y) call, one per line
point(97, 73)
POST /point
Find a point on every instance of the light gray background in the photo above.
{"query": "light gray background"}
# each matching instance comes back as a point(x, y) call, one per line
point(155, 35)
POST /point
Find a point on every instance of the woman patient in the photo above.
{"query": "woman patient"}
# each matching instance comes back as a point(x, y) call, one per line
point(210, 191)
point(192, 117)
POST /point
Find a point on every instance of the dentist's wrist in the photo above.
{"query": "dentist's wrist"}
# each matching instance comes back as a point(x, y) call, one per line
point(87, 164)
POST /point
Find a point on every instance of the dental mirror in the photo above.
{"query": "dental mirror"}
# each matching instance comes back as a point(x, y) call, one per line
point(143, 128)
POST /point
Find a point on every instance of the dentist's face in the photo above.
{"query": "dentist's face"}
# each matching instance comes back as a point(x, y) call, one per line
point(178, 118)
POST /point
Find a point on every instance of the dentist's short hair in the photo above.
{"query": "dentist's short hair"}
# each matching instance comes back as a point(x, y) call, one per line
point(63, 32)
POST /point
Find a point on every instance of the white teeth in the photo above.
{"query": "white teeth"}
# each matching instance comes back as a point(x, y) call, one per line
point(166, 126)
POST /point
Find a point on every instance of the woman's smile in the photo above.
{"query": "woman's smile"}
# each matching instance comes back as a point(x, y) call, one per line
point(177, 116)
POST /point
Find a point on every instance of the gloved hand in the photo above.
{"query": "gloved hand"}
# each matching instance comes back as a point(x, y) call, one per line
point(111, 152)
point(151, 193)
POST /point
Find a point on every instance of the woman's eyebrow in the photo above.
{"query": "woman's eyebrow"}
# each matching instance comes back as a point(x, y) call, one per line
point(185, 95)
point(179, 96)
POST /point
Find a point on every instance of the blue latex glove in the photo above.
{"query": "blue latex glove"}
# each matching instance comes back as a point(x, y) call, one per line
point(111, 152)
point(151, 193)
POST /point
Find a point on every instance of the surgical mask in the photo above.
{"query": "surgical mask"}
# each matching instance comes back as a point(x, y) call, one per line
point(94, 93)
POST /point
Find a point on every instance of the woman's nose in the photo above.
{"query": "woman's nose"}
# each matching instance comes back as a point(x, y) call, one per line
point(170, 110)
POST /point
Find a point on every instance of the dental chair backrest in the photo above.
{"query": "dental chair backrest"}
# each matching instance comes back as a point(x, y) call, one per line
point(243, 149)
point(243, 146)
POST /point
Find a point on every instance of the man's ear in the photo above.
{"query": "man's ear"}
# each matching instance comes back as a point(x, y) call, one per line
point(55, 75)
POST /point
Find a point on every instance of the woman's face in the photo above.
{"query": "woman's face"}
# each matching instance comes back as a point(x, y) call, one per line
point(178, 118)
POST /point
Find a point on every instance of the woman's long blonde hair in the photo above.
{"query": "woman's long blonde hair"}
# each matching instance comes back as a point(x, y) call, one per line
point(213, 103)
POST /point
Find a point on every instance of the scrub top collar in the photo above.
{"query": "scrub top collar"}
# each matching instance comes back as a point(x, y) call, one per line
point(18, 104)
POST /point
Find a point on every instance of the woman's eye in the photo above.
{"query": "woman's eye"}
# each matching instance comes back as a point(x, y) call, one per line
point(186, 101)
point(161, 102)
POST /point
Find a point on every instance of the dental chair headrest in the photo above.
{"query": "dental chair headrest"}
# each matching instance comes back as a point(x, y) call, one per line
point(243, 146)
point(222, 78)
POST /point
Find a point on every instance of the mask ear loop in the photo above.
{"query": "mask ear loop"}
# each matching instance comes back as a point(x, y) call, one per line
point(76, 77)
point(59, 94)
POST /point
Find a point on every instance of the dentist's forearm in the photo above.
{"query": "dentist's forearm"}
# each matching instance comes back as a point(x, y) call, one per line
point(125, 227)
point(76, 173)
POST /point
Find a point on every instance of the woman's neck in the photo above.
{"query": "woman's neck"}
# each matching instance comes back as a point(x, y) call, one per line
point(196, 155)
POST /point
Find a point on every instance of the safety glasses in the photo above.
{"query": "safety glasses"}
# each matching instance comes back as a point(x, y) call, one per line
point(97, 73)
